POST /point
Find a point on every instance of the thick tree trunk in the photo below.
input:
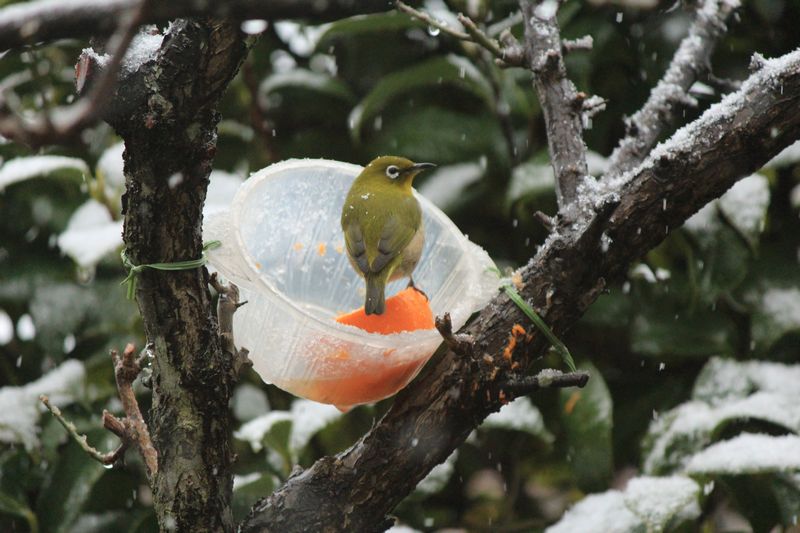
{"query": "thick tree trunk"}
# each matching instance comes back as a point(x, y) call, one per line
point(166, 113)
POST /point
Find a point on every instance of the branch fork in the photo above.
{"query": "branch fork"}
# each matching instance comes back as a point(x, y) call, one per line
point(131, 429)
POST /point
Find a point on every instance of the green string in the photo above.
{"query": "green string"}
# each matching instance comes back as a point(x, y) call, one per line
point(134, 270)
point(540, 324)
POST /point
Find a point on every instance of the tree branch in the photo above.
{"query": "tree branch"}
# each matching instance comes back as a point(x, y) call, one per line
point(668, 97)
point(561, 104)
point(354, 490)
point(46, 20)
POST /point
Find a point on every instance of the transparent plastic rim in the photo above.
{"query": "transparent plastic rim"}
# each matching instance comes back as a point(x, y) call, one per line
point(336, 329)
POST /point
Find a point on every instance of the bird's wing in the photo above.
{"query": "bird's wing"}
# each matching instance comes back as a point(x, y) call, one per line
point(354, 239)
point(396, 234)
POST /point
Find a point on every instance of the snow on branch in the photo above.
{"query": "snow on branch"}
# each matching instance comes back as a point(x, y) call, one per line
point(667, 98)
point(434, 415)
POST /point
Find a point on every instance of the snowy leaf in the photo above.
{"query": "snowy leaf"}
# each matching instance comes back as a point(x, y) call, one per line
point(530, 179)
point(745, 205)
point(766, 397)
point(447, 185)
point(306, 418)
point(23, 168)
point(647, 504)
point(520, 415)
point(776, 315)
point(655, 500)
point(110, 170)
point(249, 402)
point(588, 420)
point(748, 454)
point(19, 406)
point(789, 156)
point(91, 234)
point(598, 513)
point(438, 477)
point(722, 379)
point(254, 431)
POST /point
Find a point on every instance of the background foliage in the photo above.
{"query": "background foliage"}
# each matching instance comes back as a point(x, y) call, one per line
point(691, 417)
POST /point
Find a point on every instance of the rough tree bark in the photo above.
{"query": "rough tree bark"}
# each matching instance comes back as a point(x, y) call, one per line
point(354, 490)
point(166, 113)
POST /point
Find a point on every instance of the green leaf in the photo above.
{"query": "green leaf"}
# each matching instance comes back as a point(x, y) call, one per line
point(12, 506)
point(441, 135)
point(531, 180)
point(723, 255)
point(450, 70)
point(662, 332)
point(587, 417)
point(70, 483)
point(363, 24)
point(306, 80)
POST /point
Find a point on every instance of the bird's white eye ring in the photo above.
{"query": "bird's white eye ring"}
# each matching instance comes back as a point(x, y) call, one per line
point(392, 172)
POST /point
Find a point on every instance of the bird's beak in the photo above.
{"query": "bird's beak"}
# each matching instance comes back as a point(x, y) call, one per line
point(417, 167)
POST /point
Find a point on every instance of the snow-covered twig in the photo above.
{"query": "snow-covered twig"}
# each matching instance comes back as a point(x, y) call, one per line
point(561, 104)
point(672, 92)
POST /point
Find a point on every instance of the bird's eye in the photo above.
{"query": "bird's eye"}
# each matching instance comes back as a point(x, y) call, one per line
point(392, 171)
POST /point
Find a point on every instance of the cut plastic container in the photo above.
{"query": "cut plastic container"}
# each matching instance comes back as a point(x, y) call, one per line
point(282, 244)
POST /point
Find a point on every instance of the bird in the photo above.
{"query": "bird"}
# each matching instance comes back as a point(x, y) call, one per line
point(382, 226)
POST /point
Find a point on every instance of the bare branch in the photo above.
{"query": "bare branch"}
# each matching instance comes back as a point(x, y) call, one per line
point(434, 414)
point(504, 55)
point(126, 369)
point(66, 122)
point(573, 45)
point(550, 379)
point(46, 20)
point(103, 458)
point(672, 92)
point(558, 98)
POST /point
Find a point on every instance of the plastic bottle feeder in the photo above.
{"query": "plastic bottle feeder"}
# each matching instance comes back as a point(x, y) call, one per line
point(282, 244)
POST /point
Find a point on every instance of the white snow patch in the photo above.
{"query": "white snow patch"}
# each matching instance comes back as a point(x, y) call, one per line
point(439, 475)
point(6, 328)
point(745, 204)
point(447, 184)
point(91, 234)
point(109, 166)
point(222, 187)
point(598, 513)
point(142, 49)
point(20, 407)
point(519, 415)
point(307, 419)
point(546, 9)
point(655, 500)
point(748, 454)
point(783, 306)
point(789, 156)
point(23, 168)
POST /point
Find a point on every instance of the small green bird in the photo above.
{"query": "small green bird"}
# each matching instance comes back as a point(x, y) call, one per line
point(382, 224)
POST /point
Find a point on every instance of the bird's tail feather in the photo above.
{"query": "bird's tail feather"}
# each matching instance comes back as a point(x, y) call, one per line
point(375, 303)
